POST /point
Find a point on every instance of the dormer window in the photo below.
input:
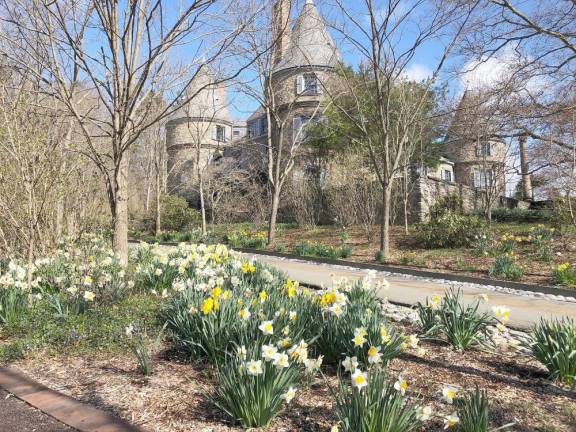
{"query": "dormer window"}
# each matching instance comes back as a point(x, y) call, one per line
point(483, 150)
point(308, 84)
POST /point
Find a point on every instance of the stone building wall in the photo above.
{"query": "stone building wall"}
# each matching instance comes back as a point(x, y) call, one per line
point(427, 191)
point(183, 135)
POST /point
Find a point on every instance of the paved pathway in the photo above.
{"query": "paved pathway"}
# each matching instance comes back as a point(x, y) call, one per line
point(525, 310)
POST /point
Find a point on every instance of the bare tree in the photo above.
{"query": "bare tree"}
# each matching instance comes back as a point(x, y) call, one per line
point(388, 35)
point(120, 51)
point(280, 145)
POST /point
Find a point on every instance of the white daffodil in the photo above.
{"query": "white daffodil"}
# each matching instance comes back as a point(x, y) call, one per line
point(424, 413)
point(269, 352)
point(350, 364)
point(401, 385)
point(451, 420)
point(374, 355)
point(289, 395)
point(281, 360)
point(313, 365)
point(241, 352)
point(359, 379)
point(254, 367)
point(449, 393)
point(266, 327)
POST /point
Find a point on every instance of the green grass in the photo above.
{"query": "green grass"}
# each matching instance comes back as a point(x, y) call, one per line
point(101, 328)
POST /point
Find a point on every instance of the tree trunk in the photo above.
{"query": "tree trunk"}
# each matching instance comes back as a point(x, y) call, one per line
point(120, 214)
point(202, 203)
point(273, 215)
point(385, 222)
point(158, 224)
point(406, 217)
point(524, 169)
point(30, 256)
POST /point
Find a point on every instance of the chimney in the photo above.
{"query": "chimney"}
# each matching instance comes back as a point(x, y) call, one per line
point(527, 192)
point(280, 29)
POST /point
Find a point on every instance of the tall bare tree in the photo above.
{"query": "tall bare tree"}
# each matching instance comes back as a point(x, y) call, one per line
point(121, 52)
point(388, 36)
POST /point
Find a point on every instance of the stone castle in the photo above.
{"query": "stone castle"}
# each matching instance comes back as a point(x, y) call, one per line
point(304, 60)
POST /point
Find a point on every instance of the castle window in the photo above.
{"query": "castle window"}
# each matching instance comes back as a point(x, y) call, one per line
point(263, 123)
point(307, 84)
point(483, 179)
point(299, 128)
point(483, 150)
point(220, 133)
point(447, 175)
point(236, 132)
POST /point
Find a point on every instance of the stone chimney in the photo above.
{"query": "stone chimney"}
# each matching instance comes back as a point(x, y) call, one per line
point(281, 31)
point(527, 192)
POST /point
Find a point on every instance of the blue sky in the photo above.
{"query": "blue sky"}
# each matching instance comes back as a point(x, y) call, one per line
point(420, 67)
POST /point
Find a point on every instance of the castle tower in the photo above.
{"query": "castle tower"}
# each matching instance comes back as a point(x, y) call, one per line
point(301, 70)
point(197, 133)
point(479, 158)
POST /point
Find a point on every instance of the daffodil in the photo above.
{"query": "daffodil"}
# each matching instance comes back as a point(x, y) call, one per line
point(501, 312)
point(269, 352)
point(350, 364)
point(292, 316)
point(281, 360)
point(207, 305)
point(266, 327)
point(89, 296)
point(451, 420)
point(374, 355)
point(254, 367)
point(424, 413)
point(359, 379)
point(449, 393)
point(289, 395)
point(401, 385)
point(262, 295)
point(244, 314)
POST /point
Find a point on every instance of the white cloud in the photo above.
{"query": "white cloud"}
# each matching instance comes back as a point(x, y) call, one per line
point(417, 72)
point(491, 72)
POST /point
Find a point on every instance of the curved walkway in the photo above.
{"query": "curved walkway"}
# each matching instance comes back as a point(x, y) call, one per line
point(525, 309)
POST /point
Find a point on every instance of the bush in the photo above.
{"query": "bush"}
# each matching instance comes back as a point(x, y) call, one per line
point(378, 407)
point(450, 230)
point(176, 215)
point(251, 390)
point(308, 248)
point(506, 266)
point(553, 343)
point(564, 274)
point(519, 215)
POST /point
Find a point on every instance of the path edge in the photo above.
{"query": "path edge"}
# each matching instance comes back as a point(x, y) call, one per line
point(67, 410)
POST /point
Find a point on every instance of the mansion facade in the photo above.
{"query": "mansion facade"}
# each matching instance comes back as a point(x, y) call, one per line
point(304, 61)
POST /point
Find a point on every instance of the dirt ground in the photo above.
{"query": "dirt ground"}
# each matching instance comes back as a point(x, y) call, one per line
point(173, 399)
point(407, 252)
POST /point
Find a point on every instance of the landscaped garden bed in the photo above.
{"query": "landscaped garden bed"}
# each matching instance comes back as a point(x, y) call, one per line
point(198, 337)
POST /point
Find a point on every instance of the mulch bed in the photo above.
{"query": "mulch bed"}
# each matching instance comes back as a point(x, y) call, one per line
point(173, 399)
point(460, 261)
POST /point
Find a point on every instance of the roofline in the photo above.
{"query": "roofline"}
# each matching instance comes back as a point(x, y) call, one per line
point(199, 119)
point(303, 68)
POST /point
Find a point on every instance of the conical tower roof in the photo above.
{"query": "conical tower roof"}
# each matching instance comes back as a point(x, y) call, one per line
point(310, 42)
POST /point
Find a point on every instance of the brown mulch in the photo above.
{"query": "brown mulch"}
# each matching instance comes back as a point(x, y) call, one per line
point(173, 399)
point(460, 261)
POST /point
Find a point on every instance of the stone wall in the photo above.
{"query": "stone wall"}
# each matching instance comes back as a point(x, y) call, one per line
point(428, 191)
